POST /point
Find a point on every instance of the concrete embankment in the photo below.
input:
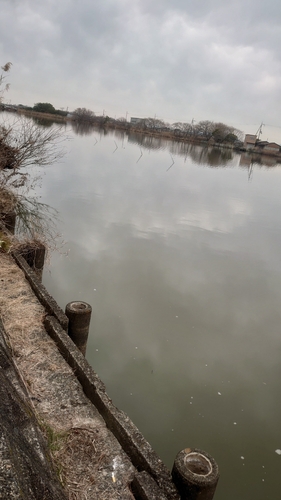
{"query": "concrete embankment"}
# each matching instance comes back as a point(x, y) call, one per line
point(61, 436)
point(97, 451)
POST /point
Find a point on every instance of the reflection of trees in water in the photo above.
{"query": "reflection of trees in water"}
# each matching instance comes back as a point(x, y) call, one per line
point(212, 156)
point(82, 128)
point(43, 122)
point(86, 128)
point(217, 157)
point(148, 141)
point(120, 134)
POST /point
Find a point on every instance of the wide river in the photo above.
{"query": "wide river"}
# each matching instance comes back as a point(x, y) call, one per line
point(178, 250)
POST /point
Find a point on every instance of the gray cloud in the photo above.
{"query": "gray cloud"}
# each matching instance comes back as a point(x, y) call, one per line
point(203, 60)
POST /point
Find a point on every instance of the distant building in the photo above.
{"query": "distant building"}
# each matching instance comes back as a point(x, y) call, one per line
point(271, 148)
point(135, 120)
point(10, 107)
point(261, 144)
point(250, 141)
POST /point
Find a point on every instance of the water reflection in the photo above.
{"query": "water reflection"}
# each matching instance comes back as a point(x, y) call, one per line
point(182, 269)
point(254, 159)
point(82, 128)
point(43, 122)
point(212, 156)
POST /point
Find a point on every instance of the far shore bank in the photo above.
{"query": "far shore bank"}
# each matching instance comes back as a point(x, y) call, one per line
point(165, 133)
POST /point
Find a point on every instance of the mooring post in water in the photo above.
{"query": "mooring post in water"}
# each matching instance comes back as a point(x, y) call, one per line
point(35, 257)
point(39, 260)
point(79, 315)
point(195, 474)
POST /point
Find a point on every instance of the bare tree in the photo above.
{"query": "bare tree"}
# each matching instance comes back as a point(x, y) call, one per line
point(204, 128)
point(185, 129)
point(154, 123)
point(84, 114)
point(23, 144)
point(226, 133)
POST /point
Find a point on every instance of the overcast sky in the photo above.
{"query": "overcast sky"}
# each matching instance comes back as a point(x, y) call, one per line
point(176, 59)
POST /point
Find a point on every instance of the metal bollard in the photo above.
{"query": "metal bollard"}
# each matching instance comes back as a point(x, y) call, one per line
point(195, 474)
point(79, 315)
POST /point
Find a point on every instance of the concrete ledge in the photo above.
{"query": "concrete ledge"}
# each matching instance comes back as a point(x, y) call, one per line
point(42, 294)
point(145, 488)
point(143, 457)
point(154, 480)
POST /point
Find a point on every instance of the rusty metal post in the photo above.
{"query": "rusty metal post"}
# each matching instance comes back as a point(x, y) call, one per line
point(79, 315)
point(195, 474)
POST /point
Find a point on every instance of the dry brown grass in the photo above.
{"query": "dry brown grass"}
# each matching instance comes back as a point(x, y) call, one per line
point(7, 200)
point(89, 461)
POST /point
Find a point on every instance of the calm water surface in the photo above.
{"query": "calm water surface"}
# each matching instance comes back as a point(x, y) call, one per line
point(179, 254)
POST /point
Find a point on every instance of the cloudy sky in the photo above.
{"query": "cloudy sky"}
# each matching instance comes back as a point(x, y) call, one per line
point(176, 59)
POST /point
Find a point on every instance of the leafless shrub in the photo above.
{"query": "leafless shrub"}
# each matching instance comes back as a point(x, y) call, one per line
point(84, 114)
point(25, 144)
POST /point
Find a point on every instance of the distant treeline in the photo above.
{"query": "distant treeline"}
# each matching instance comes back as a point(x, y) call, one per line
point(46, 107)
point(203, 131)
point(39, 107)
